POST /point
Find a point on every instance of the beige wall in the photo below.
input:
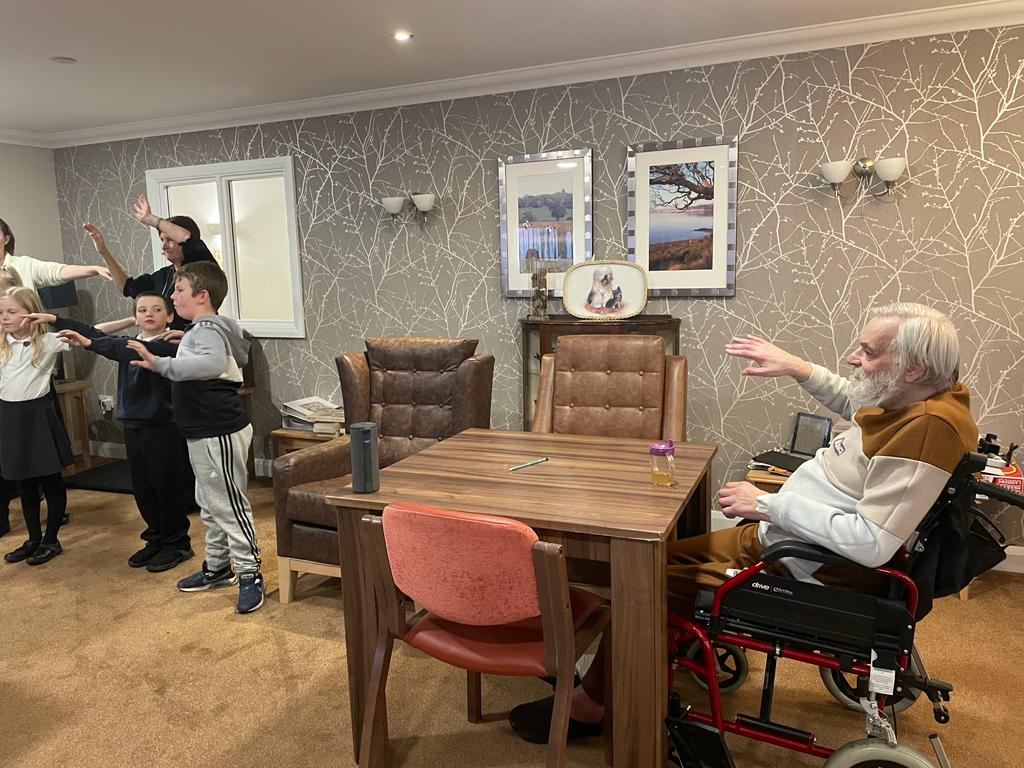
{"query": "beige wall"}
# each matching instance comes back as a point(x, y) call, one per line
point(28, 200)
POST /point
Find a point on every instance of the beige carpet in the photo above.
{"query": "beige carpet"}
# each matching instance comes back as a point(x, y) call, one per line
point(104, 665)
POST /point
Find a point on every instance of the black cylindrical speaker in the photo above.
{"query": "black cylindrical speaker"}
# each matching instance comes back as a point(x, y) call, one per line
point(365, 457)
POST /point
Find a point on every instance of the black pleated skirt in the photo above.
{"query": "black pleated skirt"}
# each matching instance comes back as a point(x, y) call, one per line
point(33, 440)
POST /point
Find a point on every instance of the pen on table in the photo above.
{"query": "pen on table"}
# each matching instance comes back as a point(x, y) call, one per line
point(541, 460)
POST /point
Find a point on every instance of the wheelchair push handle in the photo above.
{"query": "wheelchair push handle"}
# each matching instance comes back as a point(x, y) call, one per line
point(999, 493)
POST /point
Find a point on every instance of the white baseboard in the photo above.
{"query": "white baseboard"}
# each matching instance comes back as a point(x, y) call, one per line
point(1014, 562)
point(117, 451)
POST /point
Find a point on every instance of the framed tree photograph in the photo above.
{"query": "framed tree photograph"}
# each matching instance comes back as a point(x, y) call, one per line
point(545, 212)
point(681, 224)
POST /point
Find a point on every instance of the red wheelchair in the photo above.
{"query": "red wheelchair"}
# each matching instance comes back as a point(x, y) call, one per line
point(849, 635)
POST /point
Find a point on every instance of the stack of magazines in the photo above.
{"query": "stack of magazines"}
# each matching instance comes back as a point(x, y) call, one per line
point(313, 414)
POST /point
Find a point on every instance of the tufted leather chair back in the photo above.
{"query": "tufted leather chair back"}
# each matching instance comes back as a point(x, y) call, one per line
point(419, 390)
point(615, 385)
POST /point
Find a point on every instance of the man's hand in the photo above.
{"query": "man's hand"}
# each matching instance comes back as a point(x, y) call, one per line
point(740, 500)
point(96, 236)
point(143, 213)
point(768, 359)
point(74, 338)
point(147, 357)
point(38, 318)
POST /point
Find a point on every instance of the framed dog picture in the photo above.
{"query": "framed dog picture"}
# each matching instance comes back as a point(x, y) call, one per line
point(681, 217)
point(605, 290)
point(545, 209)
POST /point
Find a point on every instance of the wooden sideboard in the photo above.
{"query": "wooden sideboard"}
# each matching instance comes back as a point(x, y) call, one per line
point(539, 337)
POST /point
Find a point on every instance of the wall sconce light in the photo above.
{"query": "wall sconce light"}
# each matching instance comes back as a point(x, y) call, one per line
point(887, 169)
point(393, 205)
point(424, 202)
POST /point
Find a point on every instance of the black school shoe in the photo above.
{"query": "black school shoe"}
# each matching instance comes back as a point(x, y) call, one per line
point(19, 554)
point(532, 722)
point(167, 558)
point(144, 555)
point(44, 553)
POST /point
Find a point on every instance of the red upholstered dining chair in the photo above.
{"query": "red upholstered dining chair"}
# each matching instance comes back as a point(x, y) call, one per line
point(495, 601)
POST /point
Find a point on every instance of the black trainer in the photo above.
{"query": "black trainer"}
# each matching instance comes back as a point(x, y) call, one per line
point(167, 558)
point(207, 579)
point(44, 553)
point(144, 555)
point(19, 554)
point(532, 722)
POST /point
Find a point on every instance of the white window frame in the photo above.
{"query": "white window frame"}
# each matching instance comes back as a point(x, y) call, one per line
point(157, 183)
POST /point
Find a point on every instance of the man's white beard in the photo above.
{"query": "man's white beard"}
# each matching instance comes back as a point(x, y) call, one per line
point(873, 390)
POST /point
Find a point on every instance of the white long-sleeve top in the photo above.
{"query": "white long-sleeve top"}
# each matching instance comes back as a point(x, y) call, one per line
point(35, 273)
point(864, 494)
point(19, 378)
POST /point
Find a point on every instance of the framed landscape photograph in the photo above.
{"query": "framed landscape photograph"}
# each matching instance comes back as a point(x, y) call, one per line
point(681, 224)
point(605, 290)
point(545, 211)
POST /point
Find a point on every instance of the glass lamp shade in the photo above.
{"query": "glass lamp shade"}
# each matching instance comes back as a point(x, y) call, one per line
point(837, 171)
point(393, 205)
point(424, 202)
point(890, 168)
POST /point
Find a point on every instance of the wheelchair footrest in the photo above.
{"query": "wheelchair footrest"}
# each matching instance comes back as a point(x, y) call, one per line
point(696, 745)
point(777, 729)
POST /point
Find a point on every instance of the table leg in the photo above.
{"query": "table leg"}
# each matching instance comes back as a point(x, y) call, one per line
point(639, 653)
point(696, 516)
point(83, 430)
point(360, 618)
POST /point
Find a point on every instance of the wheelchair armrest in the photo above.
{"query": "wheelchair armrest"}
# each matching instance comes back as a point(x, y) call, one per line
point(805, 551)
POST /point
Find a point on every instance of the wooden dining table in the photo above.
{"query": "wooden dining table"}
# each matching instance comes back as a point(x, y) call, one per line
point(593, 496)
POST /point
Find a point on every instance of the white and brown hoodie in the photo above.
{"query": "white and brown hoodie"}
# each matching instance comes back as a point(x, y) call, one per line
point(865, 493)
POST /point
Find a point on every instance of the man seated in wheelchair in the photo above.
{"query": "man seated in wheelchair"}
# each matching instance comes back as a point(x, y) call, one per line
point(861, 497)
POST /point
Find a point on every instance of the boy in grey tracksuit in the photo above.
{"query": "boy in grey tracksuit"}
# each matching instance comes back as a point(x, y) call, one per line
point(206, 376)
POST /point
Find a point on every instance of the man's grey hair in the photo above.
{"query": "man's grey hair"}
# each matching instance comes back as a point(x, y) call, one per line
point(925, 338)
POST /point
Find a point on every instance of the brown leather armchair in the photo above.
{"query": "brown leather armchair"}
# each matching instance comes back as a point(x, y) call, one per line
point(613, 385)
point(419, 391)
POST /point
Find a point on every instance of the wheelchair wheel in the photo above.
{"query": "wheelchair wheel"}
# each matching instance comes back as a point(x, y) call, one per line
point(731, 662)
point(843, 688)
point(876, 753)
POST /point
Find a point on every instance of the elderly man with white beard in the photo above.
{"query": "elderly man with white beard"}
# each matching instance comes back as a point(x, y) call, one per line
point(861, 497)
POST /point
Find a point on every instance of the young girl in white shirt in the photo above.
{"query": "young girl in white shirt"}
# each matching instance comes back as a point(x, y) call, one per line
point(34, 445)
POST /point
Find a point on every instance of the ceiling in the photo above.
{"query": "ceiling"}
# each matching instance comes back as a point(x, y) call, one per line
point(152, 68)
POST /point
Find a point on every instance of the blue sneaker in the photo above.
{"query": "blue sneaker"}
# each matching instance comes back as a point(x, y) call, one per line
point(250, 592)
point(207, 579)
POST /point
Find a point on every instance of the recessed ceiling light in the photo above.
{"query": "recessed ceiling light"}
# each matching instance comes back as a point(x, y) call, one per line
point(403, 36)
point(63, 59)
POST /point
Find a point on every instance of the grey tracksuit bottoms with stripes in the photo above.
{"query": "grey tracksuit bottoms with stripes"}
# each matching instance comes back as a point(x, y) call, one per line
point(221, 479)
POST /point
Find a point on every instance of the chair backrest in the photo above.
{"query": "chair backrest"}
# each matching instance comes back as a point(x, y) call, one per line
point(613, 385)
point(419, 390)
point(470, 569)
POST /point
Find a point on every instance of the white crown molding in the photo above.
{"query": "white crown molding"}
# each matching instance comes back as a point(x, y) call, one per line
point(894, 26)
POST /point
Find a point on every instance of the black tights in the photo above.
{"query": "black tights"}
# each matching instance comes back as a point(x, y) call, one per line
point(56, 504)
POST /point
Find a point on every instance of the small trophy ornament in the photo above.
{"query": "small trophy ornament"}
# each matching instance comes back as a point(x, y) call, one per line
point(539, 300)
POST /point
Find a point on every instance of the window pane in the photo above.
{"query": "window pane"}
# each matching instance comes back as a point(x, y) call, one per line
point(262, 263)
point(199, 201)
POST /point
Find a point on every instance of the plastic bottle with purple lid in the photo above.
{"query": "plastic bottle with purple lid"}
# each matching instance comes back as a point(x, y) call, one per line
point(663, 463)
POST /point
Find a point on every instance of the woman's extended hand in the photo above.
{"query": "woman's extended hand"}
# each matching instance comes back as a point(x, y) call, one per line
point(143, 213)
point(96, 236)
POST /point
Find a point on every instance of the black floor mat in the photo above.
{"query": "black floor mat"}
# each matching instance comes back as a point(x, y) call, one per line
point(114, 477)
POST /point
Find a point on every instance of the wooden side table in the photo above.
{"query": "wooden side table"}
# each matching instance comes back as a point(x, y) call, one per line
point(71, 395)
point(766, 481)
point(287, 440)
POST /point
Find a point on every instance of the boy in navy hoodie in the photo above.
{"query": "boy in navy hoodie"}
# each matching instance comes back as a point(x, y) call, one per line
point(206, 377)
point(159, 481)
